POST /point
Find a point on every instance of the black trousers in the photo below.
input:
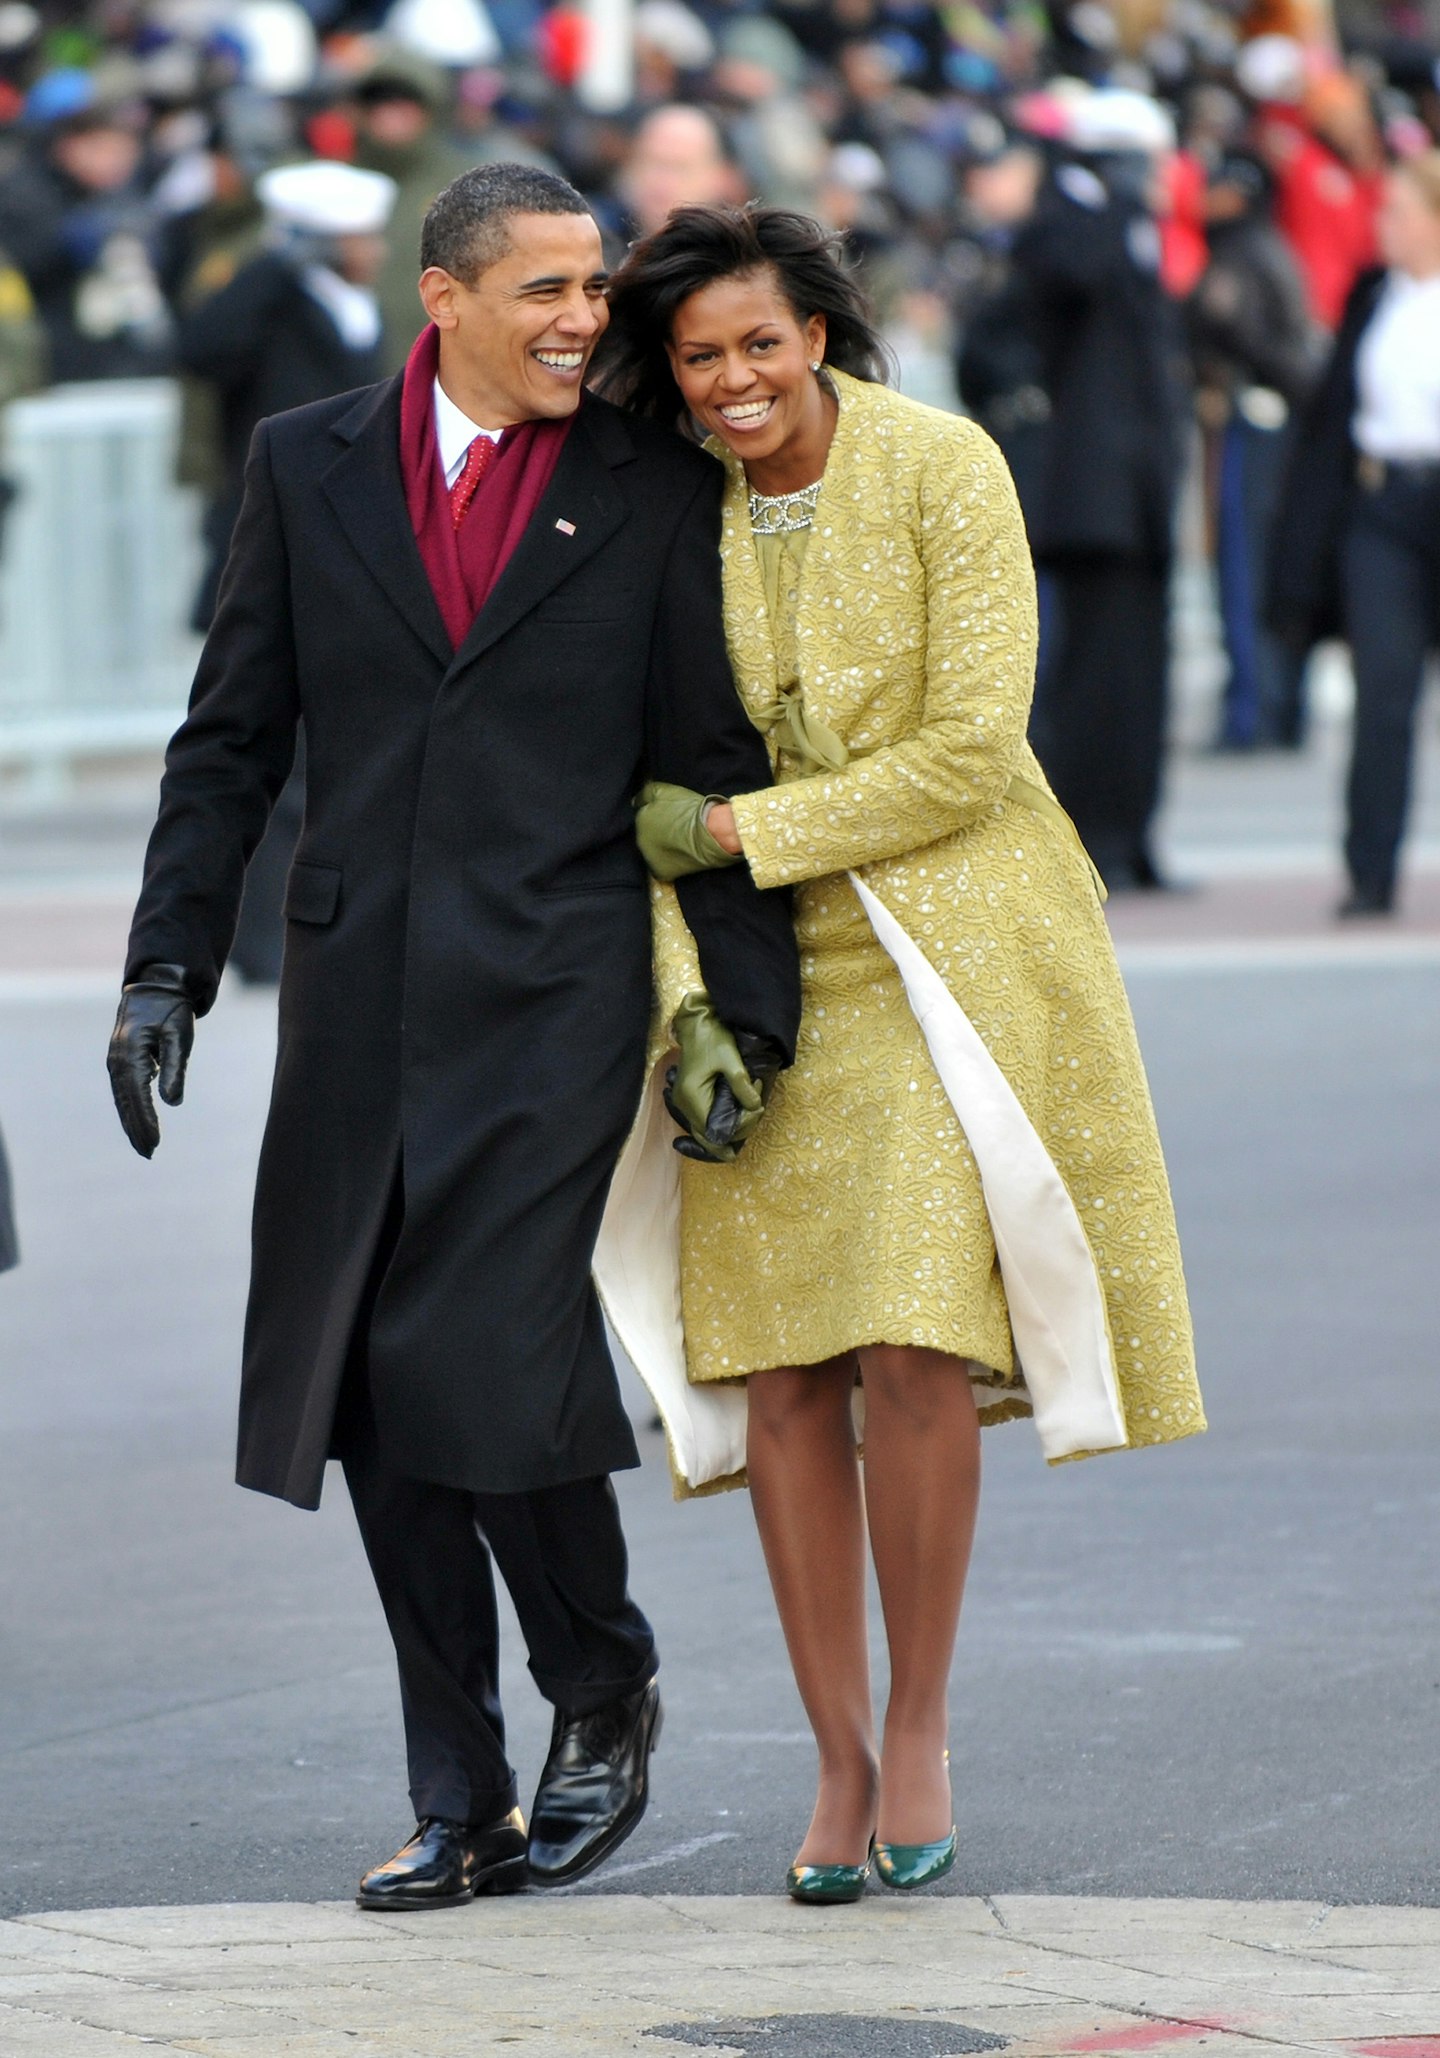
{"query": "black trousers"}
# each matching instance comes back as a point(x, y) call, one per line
point(432, 1551)
point(1391, 591)
point(1099, 721)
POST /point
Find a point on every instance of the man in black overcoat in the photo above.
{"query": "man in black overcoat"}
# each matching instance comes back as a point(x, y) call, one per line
point(463, 1005)
point(1101, 507)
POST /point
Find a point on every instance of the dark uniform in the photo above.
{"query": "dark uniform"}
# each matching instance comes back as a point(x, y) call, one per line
point(1102, 511)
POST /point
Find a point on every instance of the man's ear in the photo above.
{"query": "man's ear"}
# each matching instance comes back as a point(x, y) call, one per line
point(439, 296)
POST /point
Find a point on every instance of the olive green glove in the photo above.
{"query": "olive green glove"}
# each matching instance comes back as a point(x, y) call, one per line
point(672, 836)
point(718, 1090)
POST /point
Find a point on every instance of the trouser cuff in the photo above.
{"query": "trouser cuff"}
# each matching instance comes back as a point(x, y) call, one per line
point(585, 1697)
point(463, 1804)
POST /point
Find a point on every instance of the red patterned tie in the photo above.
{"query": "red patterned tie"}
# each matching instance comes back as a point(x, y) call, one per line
point(478, 459)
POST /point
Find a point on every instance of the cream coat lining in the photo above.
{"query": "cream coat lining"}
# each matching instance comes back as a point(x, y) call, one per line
point(1057, 1310)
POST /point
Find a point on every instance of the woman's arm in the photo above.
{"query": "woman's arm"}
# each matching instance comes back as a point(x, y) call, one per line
point(979, 676)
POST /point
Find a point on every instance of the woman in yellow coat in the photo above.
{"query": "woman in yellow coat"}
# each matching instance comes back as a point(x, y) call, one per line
point(956, 1199)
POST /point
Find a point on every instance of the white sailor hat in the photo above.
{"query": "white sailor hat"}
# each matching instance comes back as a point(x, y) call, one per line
point(1117, 118)
point(1272, 68)
point(327, 199)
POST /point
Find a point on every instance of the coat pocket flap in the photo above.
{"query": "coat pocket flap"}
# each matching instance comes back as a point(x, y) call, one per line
point(312, 893)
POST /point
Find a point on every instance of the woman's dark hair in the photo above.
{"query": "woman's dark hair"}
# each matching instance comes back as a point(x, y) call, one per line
point(699, 245)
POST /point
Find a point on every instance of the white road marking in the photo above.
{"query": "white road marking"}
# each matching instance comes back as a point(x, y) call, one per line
point(755, 1736)
point(672, 1856)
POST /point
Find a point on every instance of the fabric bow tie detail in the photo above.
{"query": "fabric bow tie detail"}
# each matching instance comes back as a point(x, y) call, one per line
point(478, 460)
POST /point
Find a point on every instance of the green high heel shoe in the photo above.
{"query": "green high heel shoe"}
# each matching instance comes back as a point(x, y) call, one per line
point(915, 1865)
point(829, 1884)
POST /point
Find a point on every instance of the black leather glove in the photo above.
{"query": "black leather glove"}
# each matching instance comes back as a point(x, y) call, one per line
point(153, 1032)
point(718, 1089)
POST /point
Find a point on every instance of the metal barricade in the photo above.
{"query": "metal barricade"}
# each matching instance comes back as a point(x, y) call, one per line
point(100, 562)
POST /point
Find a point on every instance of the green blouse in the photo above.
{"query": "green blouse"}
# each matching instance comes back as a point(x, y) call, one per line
point(796, 731)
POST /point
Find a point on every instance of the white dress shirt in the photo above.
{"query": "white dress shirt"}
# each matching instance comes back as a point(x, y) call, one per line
point(1397, 374)
point(454, 433)
point(354, 309)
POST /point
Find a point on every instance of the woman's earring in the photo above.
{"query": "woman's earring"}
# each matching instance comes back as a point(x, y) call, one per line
point(815, 364)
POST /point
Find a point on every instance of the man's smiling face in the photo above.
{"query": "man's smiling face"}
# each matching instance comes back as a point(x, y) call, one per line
point(516, 341)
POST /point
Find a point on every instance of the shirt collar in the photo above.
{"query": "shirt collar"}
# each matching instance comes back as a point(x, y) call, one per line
point(455, 432)
point(353, 309)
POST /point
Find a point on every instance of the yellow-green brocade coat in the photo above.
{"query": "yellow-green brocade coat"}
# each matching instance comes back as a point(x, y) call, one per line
point(914, 646)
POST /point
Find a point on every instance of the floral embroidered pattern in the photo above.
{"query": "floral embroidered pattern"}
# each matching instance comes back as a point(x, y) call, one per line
point(856, 1214)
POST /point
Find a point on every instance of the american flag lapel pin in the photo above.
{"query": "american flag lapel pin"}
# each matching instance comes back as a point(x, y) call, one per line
point(566, 528)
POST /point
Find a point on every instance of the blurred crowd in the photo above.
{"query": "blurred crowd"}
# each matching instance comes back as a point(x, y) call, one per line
point(1122, 233)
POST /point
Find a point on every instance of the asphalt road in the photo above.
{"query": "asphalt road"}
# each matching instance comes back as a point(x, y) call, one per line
point(1213, 1670)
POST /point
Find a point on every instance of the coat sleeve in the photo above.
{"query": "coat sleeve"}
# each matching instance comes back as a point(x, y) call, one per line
point(698, 735)
point(979, 676)
point(229, 758)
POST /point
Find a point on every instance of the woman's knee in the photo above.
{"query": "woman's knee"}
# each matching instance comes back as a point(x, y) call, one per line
point(918, 1386)
point(800, 1397)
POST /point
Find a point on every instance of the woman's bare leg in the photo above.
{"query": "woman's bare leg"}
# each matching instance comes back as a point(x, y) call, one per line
point(922, 1490)
point(805, 1485)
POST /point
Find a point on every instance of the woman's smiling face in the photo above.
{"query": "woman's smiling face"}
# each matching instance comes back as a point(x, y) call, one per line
point(742, 361)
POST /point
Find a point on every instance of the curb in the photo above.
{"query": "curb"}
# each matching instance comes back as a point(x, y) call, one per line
point(594, 1975)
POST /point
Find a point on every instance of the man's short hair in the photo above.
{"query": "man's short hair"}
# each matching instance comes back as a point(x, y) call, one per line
point(468, 226)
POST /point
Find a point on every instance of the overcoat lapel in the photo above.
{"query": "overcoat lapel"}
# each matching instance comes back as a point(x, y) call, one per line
point(583, 496)
point(366, 488)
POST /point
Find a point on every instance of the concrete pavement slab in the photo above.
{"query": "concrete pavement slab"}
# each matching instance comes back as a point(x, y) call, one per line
point(585, 1977)
point(1057, 1915)
point(23, 2035)
point(238, 1923)
point(1178, 1954)
point(1347, 1927)
point(1420, 1961)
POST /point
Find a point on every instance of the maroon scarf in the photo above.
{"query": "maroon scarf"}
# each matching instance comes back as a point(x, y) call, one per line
point(463, 564)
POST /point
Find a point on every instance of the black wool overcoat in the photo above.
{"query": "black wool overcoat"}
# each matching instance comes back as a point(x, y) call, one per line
point(466, 986)
point(1111, 353)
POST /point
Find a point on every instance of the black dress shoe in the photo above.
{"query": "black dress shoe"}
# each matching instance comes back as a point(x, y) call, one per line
point(446, 1863)
point(1147, 877)
point(594, 1787)
point(1365, 900)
